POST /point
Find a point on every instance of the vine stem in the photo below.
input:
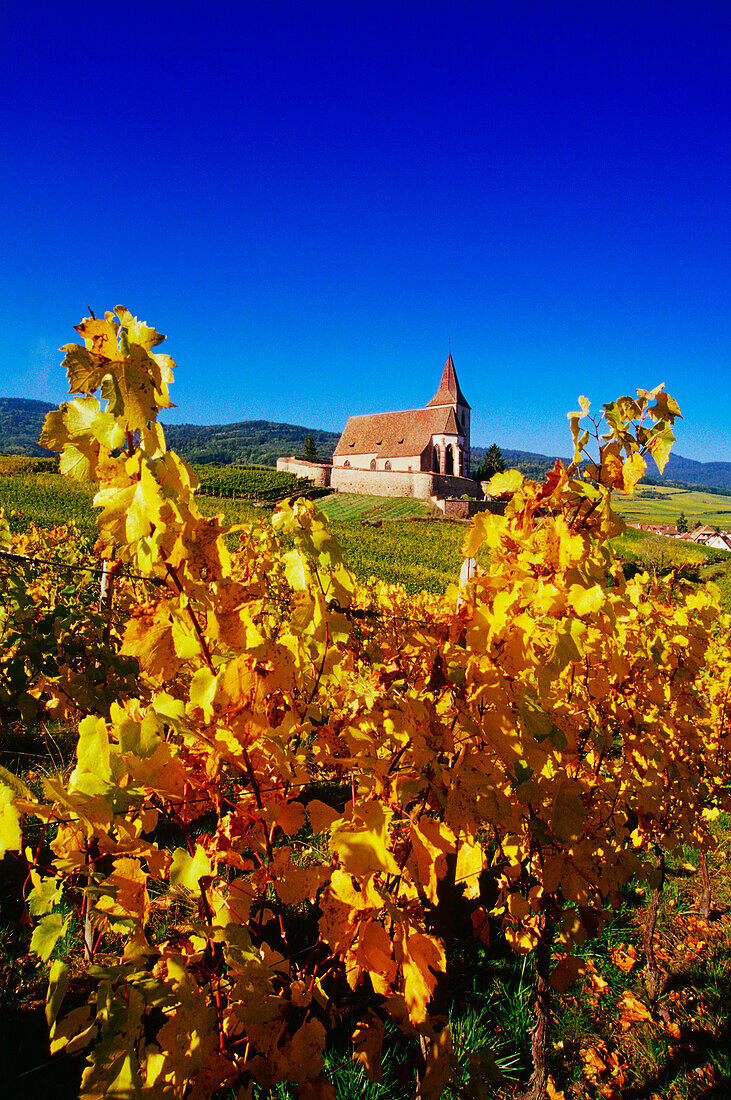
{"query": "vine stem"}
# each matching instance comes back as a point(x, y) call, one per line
point(653, 974)
point(214, 957)
point(536, 1087)
point(267, 838)
point(191, 615)
point(705, 907)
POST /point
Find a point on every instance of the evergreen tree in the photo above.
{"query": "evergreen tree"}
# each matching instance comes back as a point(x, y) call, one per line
point(309, 450)
point(492, 463)
point(683, 524)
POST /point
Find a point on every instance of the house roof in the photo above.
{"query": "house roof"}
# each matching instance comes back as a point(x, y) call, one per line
point(702, 533)
point(448, 392)
point(396, 434)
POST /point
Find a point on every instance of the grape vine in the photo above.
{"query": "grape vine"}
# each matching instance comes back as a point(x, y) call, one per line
point(317, 775)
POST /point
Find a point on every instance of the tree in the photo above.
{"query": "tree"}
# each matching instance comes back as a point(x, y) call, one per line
point(492, 463)
point(309, 450)
point(683, 524)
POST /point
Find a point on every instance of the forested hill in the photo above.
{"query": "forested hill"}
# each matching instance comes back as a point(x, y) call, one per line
point(262, 442)
point(256, 442)
point(684, 471)
point(21, 421)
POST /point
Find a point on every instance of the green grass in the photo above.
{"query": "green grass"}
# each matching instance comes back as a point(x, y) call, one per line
point(420, 556)
point(47, 500)
point(354, 506)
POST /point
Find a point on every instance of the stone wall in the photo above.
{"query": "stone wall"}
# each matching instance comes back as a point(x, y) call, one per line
point(379, 483)
point(317, 472)
point(456, 508)
point(445, 485)
point(397, 483)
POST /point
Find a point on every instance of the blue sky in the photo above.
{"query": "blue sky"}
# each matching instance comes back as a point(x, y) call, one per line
point(313, 198)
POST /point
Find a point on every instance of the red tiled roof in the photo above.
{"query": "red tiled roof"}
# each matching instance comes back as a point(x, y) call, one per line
point(449, 392)
point(396, 434)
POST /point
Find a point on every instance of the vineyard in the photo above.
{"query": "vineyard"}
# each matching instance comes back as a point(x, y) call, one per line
point(274, 829)
point(247, 482)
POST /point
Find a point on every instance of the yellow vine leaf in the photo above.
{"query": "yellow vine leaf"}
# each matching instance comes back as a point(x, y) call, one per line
point(302, 1058)
point(58, 984)
point(93, 770)
point(631, 1010)
point(148, 636)
point(632, 471)
point(10, 836)
point(438, 1068)
point(432, 841)
point(568, 813)
point(368, 1044)
point(361, 844)
point(508, 482)
point(100, 336)
point(187, 870)
point(470, 864)
point(660, 446)
point(485, 529)
point(553, 1092)
point(75, 1031)
point(47, 933)
point(422, 957)
point(374, 954)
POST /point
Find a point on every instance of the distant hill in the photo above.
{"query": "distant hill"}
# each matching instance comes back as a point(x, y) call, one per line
point(711, 475)
point(255, 442)
point(21, 421)
point(262, 442)
point(528, 462)
point(683, 471)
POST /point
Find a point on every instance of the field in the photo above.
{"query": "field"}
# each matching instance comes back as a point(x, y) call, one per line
point(46, 499)
point(416, 554)
point(403, 549)
point(661, 504)
point(247, 482)
point(353, 506)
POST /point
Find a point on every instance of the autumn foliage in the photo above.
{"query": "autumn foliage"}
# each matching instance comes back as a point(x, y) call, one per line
point(268, 832)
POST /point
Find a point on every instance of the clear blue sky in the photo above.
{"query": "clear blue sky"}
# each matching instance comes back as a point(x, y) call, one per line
point(312, 198)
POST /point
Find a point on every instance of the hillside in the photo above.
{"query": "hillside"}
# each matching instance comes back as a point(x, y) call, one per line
point(21, 421)
point(262, 442)
point(258, 442)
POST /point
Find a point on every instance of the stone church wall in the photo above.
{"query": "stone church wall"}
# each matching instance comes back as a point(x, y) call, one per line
point(456, 508)
point(318, 472)
point(396, 483)
point(381, 483)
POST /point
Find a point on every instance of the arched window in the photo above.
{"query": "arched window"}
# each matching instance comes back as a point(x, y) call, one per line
point(435, 460)
point(373, 463)
point(387, 466)
point(346, 463)
point(449, 460)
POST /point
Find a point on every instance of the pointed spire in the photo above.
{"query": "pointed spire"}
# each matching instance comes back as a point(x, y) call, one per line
point(449, 392)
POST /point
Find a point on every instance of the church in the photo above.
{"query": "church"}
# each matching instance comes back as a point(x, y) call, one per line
point(435, 439)
point(421, 453)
